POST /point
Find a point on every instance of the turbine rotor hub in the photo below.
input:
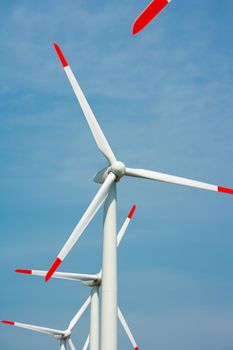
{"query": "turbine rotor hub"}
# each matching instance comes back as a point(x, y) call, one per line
point(118, 168)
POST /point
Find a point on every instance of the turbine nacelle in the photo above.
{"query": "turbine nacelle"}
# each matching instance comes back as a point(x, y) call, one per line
point(61, 337)
point(92, 283)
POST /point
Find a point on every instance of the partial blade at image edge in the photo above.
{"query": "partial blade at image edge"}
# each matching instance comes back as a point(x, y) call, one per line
point(146, 16)
point(35, 328)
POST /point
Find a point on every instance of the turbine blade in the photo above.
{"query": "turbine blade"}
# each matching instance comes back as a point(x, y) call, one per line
point(148, 14)
point(125, 225)
point(78, 315)
point(127, 330)
point(62, 275)
point(152, 175)
point(35, 328)
point(86, 218)
point(98, 178)
point(71, 344)
point(98, 134)
point(122, 230)
point(78, 276)
point(27, 272)
point(86, 345)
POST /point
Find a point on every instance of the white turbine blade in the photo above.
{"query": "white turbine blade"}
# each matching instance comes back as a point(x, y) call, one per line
point(62, 275)
point(86, 345)
point(100, 139)
point(78, 276)
point(125, 225)
point(123, 230)
point(71, 344)
point(35, 328)
point(127, 330)
point(86, 218)
point(77, 316)
point(153, 175)
point(148, 14)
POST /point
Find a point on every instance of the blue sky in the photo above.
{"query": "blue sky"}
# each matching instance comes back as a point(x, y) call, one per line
point(164, 101)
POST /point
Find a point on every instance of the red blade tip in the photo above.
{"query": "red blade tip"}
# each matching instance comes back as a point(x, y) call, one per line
point(137, 27)
point(225, 190)
point(130, 215)
point(8, 322)
point(60, 55)
point(148, 14)
point(52, 269)
point(28, 272)
point(137, 348)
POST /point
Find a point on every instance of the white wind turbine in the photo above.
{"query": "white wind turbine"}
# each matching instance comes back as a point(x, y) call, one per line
point(63, 336)
point(94, 281)
point(108, 177)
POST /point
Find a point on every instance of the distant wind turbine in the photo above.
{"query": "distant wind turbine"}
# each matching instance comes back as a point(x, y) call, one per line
point(63, 336)
point(94, 281)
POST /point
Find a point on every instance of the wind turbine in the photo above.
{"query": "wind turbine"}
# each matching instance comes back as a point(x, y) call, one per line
point(109, 177)
point(94, 281)
point(63, 336)
point(148, 14)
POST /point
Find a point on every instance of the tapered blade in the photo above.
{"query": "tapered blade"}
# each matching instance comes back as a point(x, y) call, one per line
point(78, 315)
point(35, 328)
point(151, 11)
point(86, 345)
point(78, 276)
point(122, 231)
point(127, 330)
point(98, 134)
point(85, 220)
point(61, 275)
point(125, 225)
point(71, 344)
point(152, 175)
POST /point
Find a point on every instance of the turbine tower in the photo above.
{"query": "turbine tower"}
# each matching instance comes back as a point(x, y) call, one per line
point(109, 177)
